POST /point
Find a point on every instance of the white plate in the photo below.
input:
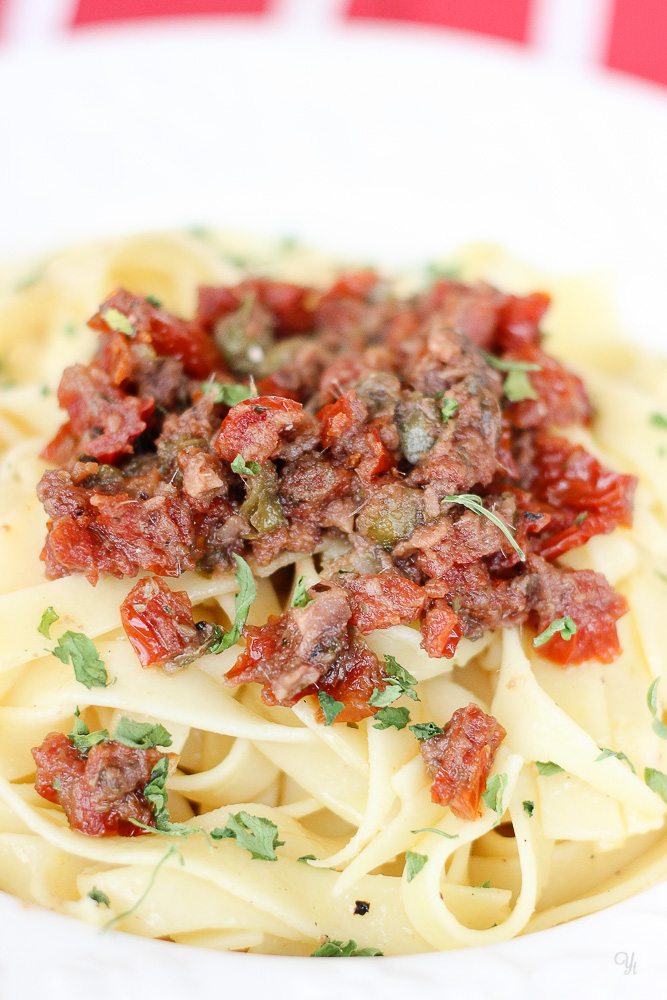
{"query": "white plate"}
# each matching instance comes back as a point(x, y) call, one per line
point(381, 143)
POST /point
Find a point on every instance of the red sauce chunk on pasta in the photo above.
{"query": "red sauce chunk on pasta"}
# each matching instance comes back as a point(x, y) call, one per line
point(100, 792)
point(158, 622)
point(459, 761)
point(408, 442)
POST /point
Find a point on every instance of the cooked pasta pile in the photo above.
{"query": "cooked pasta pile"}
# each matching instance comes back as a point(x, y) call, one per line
point(569, 823)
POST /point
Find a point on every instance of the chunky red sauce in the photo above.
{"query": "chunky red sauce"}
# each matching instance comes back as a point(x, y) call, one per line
point(370, 412)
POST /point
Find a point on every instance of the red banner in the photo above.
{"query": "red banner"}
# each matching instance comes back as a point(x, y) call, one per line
point(92, 11)
point(638, 39)
point(501, 18)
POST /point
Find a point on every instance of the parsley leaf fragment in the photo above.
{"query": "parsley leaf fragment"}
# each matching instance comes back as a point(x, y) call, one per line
point(528, 807)
point(99, 897)
point(567, 627)
point(658, 420)
point(518, 386)
point(141, 734)
point(474, 503)
point(170, 852)
point(400, 682)
point(89, 669)
point(432, 829)
point(247, 593)
point(426, 730)
point(155, 792)
point(81, 736)
point(116, 320)
point(414, 863)
point(301, 598)
point(448, 407)
point(344, 949)
point(493, 796)
point(389, 717)
point(656, 781)
point(659, 728)
point(547, 768)
point(306, 857)
point(604, 753)
point(331, 708)
point(243, 468)
point(48, 619)
point(254, 833)
point(227, 393)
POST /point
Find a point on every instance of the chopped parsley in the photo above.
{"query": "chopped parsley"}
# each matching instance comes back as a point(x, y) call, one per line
point(656, 781)
point(247, 593)
point(48, 619)
point(414, 863)
point(155, 792)
point(448, 407)
point(659, 728)
point(389, 717)
point(331, 708)
point(440, 833)
point(547, 768)
point(567, 627)
point(344, 949)
point(400, 682)
point(228, 393)
point(116, 320)
point(426, 730)
point(306, 857)
point(254, 833)
point(517, 385)
point(141, 734)
point(99, 897)
point(493, 796)
point(658, 420)
point(89, 669)
point(528, 807)
point(301, 598)
point(153, 301)
point(484, 885)
point(171, 851)
point(243, 468)
point(81, 736)
point(474, 503)
point(604, 753)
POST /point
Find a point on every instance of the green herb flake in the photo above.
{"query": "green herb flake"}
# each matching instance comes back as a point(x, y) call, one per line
point(484, 885)
point(440, 833)
point(247, 593)
point(604, 753)
point(580, 518)
point(81, 736)
point(659, 727)
point(153, 301)
point(517, 387)
point(227, 393)
point(99, 897)
point(493, 796)
point(503, 365)
point(155, 792)
point(253, 833)
point(48, 619)
point(301, 598)
point(331, 708)
point(474, 503)
point(89, 669)
point(344, 949)
point(567, 627)
point(399, 677)
point(656, 781)
point(414, 863)
point(426, 730)
point(448, 408)
point(658, 420)
point(116, 320)
point(391, 717)
point(528, 807)
point(171, 851)
point(306, 857)
point(243, 468)
point(141, 734)
point(547, 768)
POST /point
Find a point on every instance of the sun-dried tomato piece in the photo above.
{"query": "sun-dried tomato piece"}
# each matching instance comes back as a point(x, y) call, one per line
point(519, 320)
point(352, 439)
point(168, 335)
point(101, 792)
point(383, 599)
point(460, 760)
point(586, 499)
point(253, 428)
point(104, 421)
point(158, 622)
point(441, 630)
point(561, 396)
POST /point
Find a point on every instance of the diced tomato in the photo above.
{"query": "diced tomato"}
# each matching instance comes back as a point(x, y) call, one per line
point(253, 428)
point(382, 600)
point(519, 320)
point(561, 397)
point(460, 760)
point(441, 630)
point(158, 622)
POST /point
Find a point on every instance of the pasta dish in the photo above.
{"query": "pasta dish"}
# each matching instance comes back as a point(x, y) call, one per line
point(331, 601)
